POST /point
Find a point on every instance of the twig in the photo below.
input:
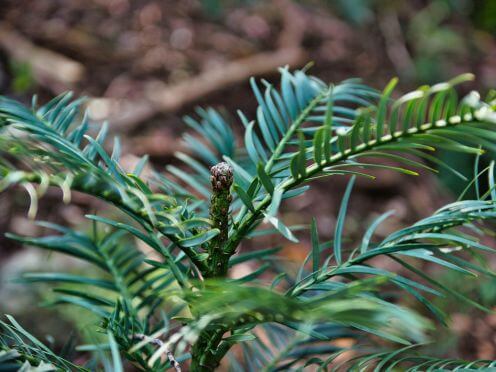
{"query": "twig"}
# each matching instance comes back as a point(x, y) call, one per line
point(158, 342)
point(294, 24)
point(395, 43)
point(160, 97)
point(52, 70)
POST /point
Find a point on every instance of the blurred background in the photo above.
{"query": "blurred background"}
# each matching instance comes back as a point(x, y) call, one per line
point(143, 64)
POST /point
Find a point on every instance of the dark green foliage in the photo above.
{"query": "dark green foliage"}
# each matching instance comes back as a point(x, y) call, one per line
point(158, 312)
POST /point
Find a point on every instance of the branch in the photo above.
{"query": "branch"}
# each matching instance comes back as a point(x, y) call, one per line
point(395, 44)
point(160, 97)
point(156, 341)
point(50, 69)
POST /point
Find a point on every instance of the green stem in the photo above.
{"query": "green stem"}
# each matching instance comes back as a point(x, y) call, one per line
point(218, 258)
point(205, 353)
point(205, 356)
point(209, 350)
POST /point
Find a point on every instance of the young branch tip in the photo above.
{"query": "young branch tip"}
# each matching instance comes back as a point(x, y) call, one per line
point(222, 180)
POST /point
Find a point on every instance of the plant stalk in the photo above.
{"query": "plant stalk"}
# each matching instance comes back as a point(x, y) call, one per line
point(218, 257)
point(205, 353)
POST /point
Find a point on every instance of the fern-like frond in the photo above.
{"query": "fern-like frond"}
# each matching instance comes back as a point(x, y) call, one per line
point(21, 351)
point(231, 307)
point(444, 239)
point(124, 276)
point(413, 125)
point(405, 359)
point(129, 293)
point(56, 150)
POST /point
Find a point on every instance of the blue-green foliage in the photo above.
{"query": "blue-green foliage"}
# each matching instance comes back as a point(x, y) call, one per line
point(157, 307)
